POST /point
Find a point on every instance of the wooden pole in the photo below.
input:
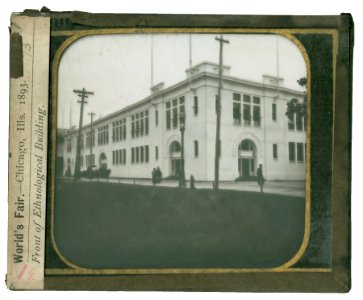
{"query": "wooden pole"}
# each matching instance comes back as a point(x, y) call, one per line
point(218, 111)
point(83, 94)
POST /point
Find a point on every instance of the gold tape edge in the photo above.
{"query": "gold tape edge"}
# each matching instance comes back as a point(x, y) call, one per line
point(50, 271)
point(75, 35)
point(188, 30)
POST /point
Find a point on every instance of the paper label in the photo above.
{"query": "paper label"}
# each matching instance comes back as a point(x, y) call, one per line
point(28, 151)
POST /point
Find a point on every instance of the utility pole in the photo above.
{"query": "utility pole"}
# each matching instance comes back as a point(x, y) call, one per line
point(218, 108)
point(91, 140)
point(83, 94)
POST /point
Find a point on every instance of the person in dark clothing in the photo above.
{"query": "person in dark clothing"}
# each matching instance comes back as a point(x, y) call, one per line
point(159, 175)
point(260, 178)
point(192, 182)
point(153, 176)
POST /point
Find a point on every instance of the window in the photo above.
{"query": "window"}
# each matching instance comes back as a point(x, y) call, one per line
point(156, 153)
point(141, 124)
point(236, 108)
point(124, 128)
point(236, 97)
point(256, 116)
point(300, 152)
point(146, 122)
point(246, 114)
point(247, 98)
point(274, 151)
point(291, 123)
point(196, 150)
point(137, 125)
point(291, 151)
point(132, 126)
point(119, 157)
point(168, 115)
point(90, 160)
point(90, 139)
point(119, 130)
point(175, 113)
point(299, 122)
point(137, 154)
point(296, 121)
point(102, 136)
point(173, 109)
point(81, 161)
point(141, 154)
point(195, 107)
point(274, 112)
point(132, 155)
point(146, 153)
point(156, 117)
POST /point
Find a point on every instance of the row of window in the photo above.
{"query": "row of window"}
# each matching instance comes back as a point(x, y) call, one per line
point(140, 154)
point(296, 122)
point(173, 109)
point(119, 157)
point(246, 108)
point(90, 139)
point(140, 124)
point(90, 160)
point(296, 151)
point(102, 137)
point(119, 130)
point(249, 109)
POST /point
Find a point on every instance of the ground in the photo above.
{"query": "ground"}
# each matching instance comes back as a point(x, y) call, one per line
point(113, 225)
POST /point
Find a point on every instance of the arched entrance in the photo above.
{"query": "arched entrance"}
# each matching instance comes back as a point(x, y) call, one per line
point(247, 153)
point(175, 158)
point(103, 161)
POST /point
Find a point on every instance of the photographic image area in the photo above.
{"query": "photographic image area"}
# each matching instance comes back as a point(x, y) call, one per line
point(181, 151)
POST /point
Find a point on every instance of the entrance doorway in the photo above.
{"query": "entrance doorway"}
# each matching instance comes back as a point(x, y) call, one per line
point(175, 158)
point(103, 161)
point(247, 159)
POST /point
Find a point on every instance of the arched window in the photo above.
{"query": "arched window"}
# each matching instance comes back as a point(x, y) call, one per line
point(175, 147)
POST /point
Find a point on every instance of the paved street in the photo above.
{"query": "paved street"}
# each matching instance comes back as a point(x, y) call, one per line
point(289, 188)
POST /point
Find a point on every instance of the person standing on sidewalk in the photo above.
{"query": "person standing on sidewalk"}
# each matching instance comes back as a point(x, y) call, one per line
point(260, 178)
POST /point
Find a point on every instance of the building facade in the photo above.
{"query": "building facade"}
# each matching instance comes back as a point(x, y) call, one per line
point(254, 130)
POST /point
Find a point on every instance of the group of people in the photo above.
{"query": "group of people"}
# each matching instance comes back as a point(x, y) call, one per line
point(156, 175)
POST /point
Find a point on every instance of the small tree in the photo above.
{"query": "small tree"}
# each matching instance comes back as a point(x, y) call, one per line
point(296, 107)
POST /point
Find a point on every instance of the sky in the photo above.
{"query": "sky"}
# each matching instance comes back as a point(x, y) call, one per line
point(117, 68)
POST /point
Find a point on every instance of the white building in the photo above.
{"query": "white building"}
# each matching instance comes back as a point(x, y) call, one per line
point(254, 130)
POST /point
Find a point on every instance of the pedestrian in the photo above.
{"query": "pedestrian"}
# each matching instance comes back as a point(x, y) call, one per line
point(153, 176)
point(260, 178)
point(159, 175)
point(192, 182)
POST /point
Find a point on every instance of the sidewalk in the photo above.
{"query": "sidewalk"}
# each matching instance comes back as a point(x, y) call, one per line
point(289, 188)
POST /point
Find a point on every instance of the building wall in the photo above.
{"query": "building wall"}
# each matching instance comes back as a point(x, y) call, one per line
point(201, 127)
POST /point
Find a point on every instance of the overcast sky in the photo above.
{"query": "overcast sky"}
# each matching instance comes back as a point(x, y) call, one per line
point(117, 68)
